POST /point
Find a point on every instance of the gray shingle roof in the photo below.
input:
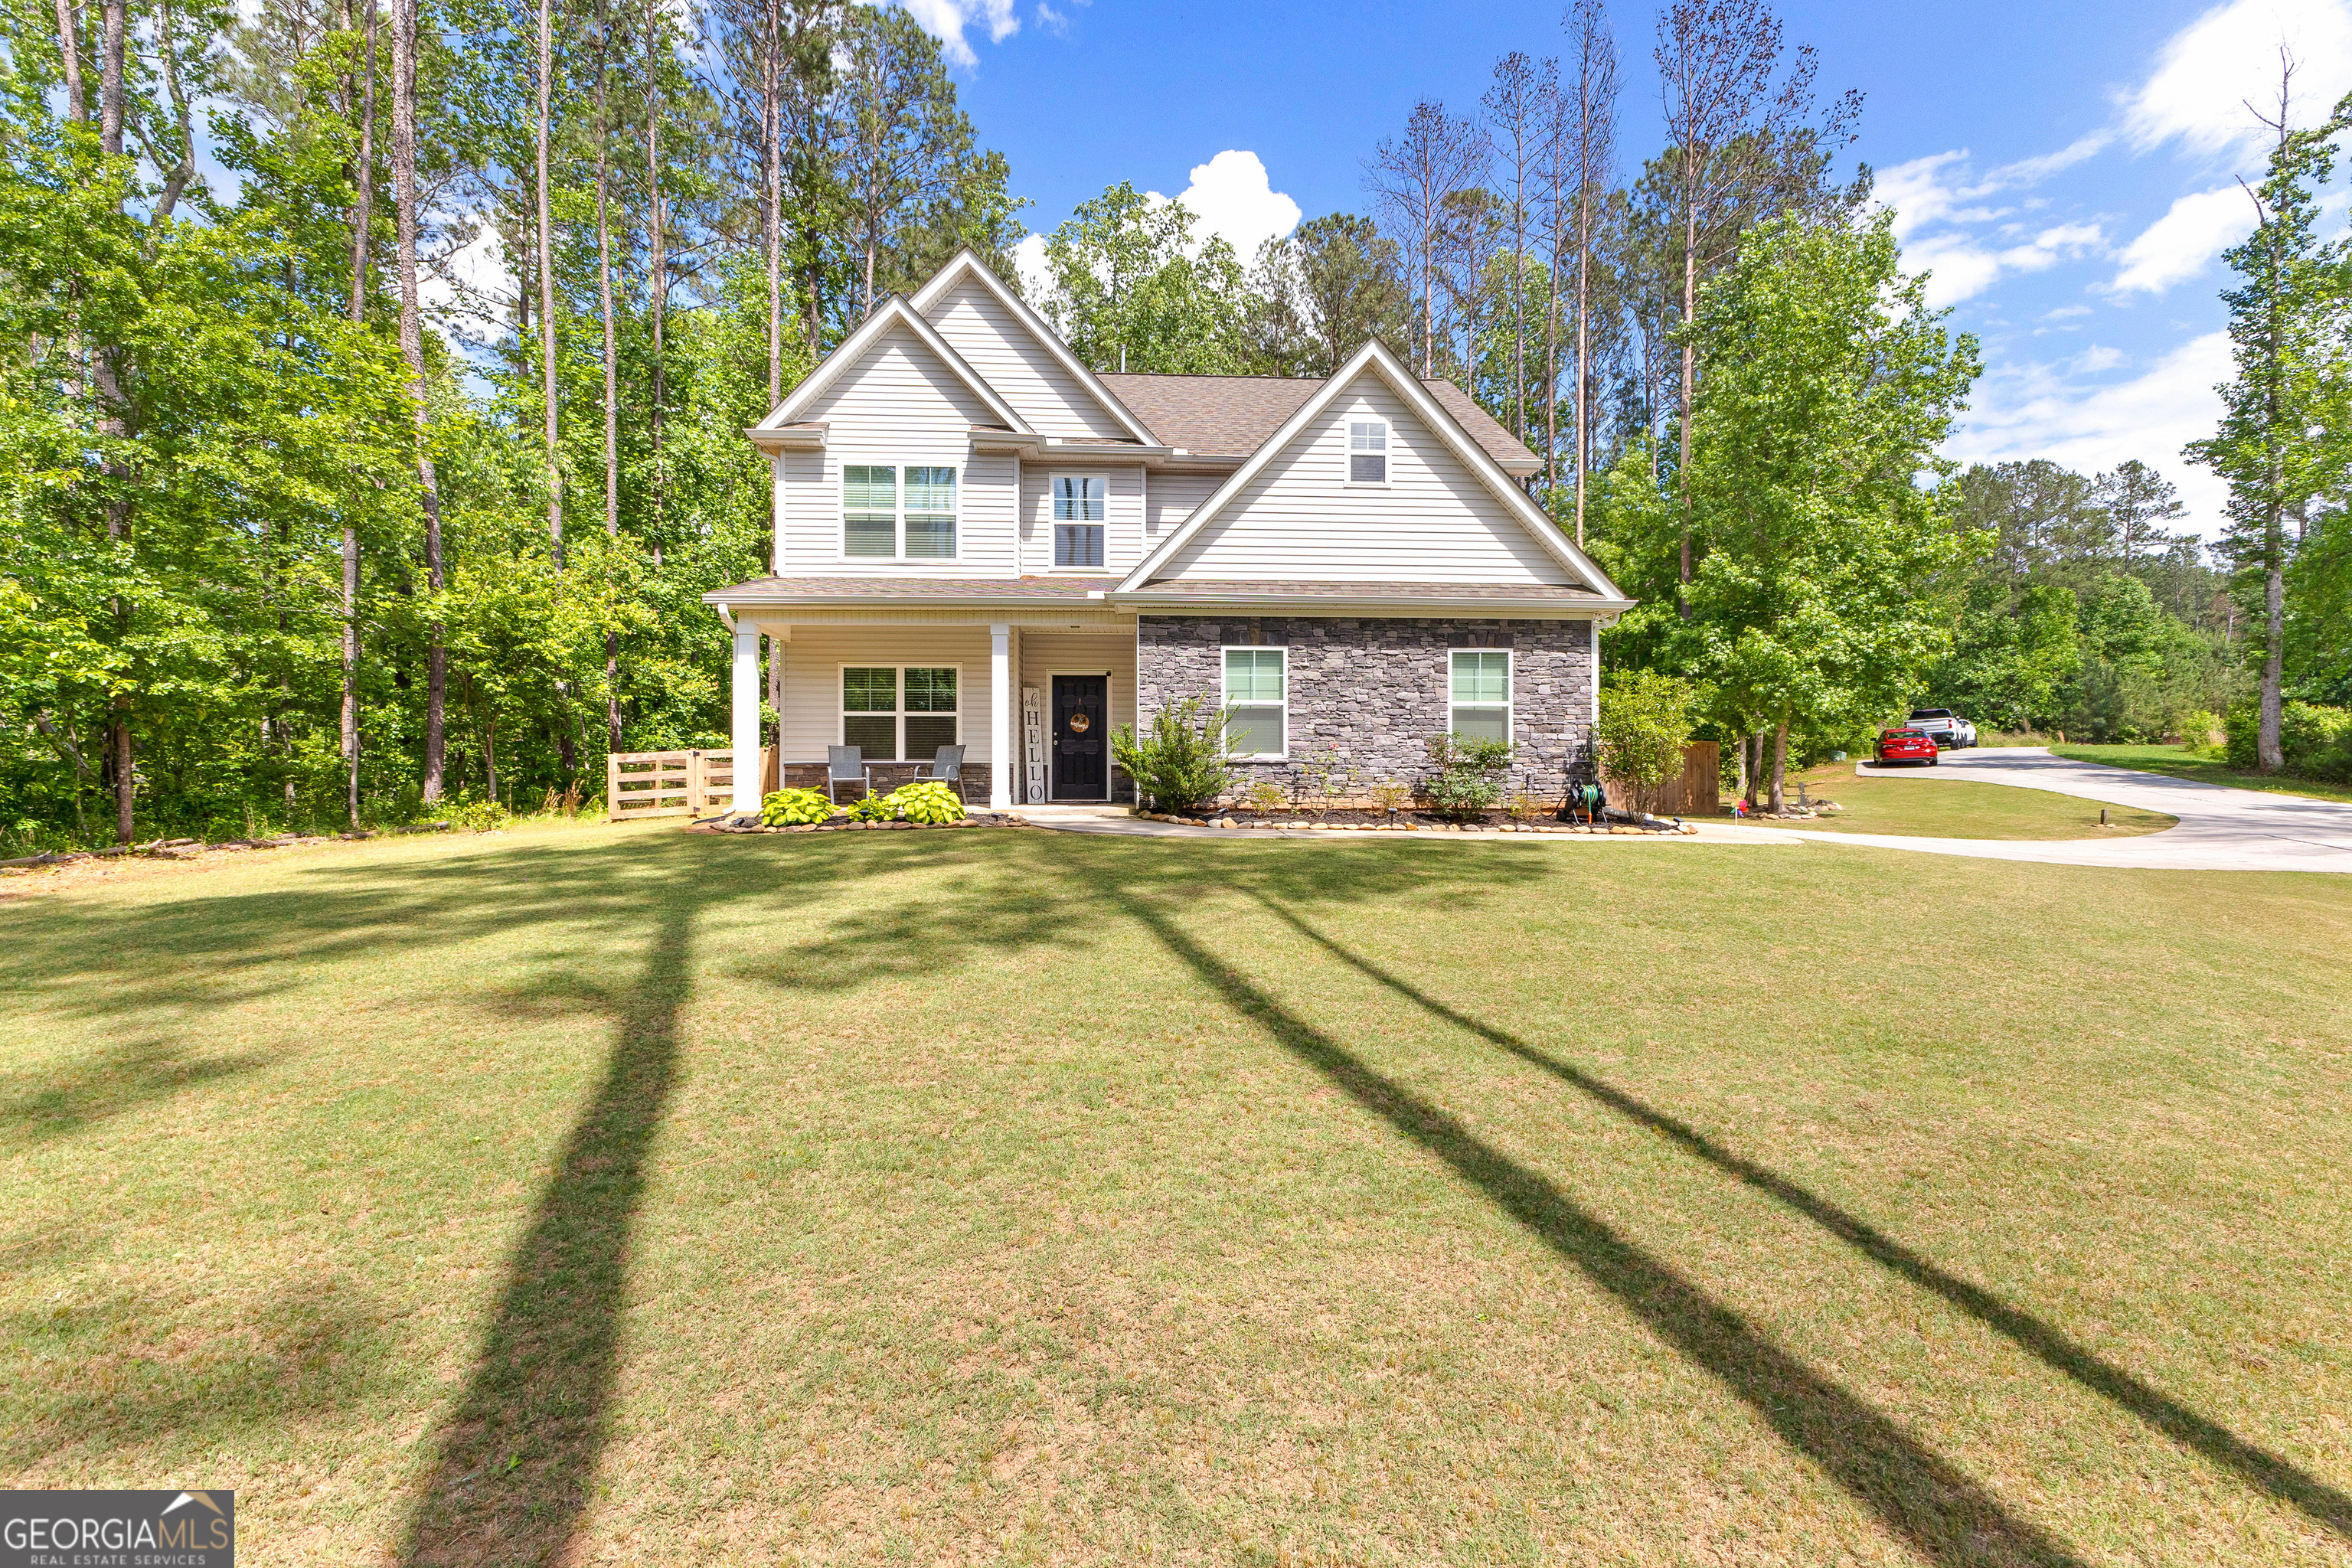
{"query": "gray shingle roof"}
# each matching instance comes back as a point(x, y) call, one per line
point(1232, 416)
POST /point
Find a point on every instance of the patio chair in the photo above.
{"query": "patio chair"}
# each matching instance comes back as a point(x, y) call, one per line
point(947, 767)
point(845, 764)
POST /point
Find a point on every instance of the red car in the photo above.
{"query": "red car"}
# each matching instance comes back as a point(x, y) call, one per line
point(1907, 746)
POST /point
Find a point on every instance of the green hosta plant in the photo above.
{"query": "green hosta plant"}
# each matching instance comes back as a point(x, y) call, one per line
point(925, 801)
point(795, 808)
point(873, 808)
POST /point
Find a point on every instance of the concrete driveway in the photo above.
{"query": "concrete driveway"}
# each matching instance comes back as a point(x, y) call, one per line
point(2221, 828)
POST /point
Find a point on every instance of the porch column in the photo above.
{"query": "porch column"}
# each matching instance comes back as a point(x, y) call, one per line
point(746, 733)
point(1002, 762)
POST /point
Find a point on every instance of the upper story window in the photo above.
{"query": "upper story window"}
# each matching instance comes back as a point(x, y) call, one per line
point(1078, 518)
point(1368, 451)
point(881, 521)
point(1482, 694)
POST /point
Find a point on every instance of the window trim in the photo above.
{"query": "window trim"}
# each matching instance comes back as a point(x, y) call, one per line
point(1510, 683)
point(899, 555)
point(1225, 696)
point(1348, 423)
point(841, 714)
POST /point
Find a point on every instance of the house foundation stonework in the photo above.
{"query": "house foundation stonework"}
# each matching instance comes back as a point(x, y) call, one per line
point(1366, 695)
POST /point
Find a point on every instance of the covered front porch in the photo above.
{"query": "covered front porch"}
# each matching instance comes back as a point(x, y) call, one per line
point(1031, 691)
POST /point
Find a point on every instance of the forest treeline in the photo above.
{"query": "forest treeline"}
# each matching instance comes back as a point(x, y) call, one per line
point(376, 371)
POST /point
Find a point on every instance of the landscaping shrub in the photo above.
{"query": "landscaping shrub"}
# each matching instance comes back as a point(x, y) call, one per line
point(926, 800)
point(478, 816)
point(1185, 762)
point(2317, 741)
point(795, 808)
point(1646, 722)
point(1469, 778)
point(2199, 732)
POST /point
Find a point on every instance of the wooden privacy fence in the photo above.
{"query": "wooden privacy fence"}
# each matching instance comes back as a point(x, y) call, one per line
point(675, 783)
point(1697, 792)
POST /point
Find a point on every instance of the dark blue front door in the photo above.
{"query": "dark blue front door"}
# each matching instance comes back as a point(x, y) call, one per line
point(1081, 737)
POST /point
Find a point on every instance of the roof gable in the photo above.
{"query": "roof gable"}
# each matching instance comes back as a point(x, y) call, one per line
point(891, 315)
point(1451, 513)
point(1035, 366)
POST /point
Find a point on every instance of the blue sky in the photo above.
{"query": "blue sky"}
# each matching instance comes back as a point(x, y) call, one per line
point(2068, 173)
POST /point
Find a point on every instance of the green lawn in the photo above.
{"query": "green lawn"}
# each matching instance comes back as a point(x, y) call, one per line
point(1944, 809)
point(626, 1195)
point(2172, 759)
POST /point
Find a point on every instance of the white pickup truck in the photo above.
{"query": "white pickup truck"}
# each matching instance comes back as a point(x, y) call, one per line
point(1946, 728)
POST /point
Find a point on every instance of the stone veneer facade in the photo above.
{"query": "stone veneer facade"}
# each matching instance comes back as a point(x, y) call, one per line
point(1366, 693)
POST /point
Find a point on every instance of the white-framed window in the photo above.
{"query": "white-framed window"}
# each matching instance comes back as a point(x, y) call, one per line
point(881, 521)
point(901, 712)
point(1257, 691)
point(1078, 502)
point(1481, 679)
point(1368, 451)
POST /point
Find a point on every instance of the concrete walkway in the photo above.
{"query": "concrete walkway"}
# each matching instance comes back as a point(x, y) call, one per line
point(2221, 828)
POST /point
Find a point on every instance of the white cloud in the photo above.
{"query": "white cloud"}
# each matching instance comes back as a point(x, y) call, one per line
point(2177, 245)
point(946, 20)
point(1029, 260)
point(1231, 195)
point(1961, 268)
point(2208, 73)
point(2043, 411)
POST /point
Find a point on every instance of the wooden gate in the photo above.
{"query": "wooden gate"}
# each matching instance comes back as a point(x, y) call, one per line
point(1696, 791)
point(675, 783)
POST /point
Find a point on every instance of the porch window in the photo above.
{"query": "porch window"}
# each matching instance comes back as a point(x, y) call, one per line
point(894, 713)
point(1368, 452)
point(1257, 691)
point(880, 523)
point(1078, 518)
point(1482, 694)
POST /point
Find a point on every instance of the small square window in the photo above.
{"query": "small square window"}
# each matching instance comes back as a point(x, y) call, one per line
point(1368, 452)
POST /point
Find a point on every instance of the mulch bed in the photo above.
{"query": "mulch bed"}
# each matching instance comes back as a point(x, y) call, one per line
point(1344, 821)
point(980, 819)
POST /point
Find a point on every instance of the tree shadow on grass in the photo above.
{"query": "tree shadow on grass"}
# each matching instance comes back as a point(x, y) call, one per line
point(39, 1105)
point(518, 1452)
point(2284, 1481)
point(1917, 1494)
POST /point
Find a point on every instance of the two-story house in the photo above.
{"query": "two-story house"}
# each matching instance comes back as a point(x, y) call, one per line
point(979, 541)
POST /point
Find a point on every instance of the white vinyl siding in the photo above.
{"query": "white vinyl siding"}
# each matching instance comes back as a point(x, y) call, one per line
point(1479, 685)
point(1172, 498)
point(901, 409)
point(1257, 692)
point(1300, 520)
point(1022, 371)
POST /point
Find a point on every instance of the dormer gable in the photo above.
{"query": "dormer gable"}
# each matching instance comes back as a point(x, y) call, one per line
point(1372, 480)
point(1022, 357)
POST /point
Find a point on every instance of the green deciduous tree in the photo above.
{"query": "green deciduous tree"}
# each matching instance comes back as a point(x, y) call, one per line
point(1133, 290)
point(1833, 386)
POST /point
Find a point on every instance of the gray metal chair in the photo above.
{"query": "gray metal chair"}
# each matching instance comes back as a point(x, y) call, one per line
point(845, 764)
point(947, 767)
